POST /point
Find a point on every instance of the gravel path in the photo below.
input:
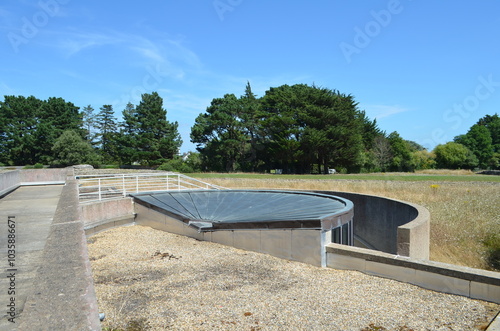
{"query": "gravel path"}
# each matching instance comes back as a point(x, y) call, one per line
point(152, 280)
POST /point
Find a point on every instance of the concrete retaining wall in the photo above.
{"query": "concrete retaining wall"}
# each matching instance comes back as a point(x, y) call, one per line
point(303, 245)
point(389, 225)
point(441, 277)
point(65, 297)
point(106, 214)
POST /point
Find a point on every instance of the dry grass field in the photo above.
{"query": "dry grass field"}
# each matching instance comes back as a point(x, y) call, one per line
point(463, 214)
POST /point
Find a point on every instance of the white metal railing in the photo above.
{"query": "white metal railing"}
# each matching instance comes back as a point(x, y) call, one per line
point(112, 186)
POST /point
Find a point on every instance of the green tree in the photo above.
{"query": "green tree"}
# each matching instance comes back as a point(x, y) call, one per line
point(29, 127)
point(492, 123)
point(19, 124)
point(70, 149)
point(220, 134)
point(250, 118)
point(401, 153)
point(304, 125)
point(128, 135)
point(478, 140)
point(157, 139)
point(290, 128)
point(453, 155)
point(89, 123)
point(422, 159)
point(106, 126)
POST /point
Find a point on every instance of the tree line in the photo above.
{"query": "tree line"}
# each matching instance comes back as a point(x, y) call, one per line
point(309, 129)
point(298, 129)
point(55, 132)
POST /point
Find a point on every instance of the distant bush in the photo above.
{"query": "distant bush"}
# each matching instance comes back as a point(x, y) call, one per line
point(70, 149)
point(38, 166)
point(176, 165)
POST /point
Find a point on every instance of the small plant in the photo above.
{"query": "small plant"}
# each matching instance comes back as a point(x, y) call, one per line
point(38, 166)
point(434, 188)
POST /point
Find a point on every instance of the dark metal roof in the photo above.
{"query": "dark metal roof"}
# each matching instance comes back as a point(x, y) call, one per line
point(216, 209)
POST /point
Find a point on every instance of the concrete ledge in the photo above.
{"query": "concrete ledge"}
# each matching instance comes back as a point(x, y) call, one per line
point(96, 227)
point(437, 276)
point(65, 297)
point(390, 225)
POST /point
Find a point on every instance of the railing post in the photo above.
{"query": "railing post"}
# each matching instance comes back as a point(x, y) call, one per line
point(124, 189)
point(99, 188)
point(178, 182)
point(136, 183)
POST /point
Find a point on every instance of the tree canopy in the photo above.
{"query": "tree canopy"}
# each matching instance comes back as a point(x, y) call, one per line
point(36, 131)
point(293, 128)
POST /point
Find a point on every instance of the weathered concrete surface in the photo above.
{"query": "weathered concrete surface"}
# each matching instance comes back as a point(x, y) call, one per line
point(388, 225)
point(64, 298)
point(33, 209)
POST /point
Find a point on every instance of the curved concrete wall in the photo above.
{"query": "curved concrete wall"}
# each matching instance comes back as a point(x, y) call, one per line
point(389, 225)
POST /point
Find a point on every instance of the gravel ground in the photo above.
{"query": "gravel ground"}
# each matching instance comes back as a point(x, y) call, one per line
point(152, 280)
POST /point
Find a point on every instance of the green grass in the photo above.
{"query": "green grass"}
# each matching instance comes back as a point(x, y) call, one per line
point(376, 176)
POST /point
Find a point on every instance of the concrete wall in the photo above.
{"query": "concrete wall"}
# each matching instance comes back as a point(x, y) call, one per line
point(44, 176)
point(65, 297)
point(304, 245)
point(441, 277)
point(106, 214)
point(11, 180)
point(389, 225)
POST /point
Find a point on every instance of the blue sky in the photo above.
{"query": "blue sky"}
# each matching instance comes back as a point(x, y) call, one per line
point(427, 69)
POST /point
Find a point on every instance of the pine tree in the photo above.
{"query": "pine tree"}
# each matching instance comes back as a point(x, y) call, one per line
point(157, 139)
point(106, 125)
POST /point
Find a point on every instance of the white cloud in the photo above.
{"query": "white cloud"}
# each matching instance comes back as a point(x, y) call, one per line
point(6, 89)
point(382, 111)
point(74, 43)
